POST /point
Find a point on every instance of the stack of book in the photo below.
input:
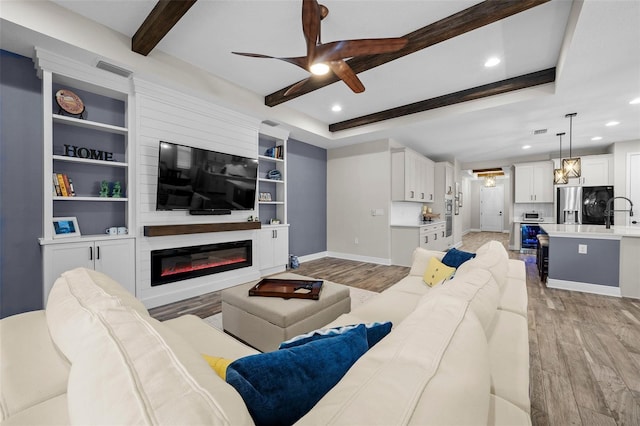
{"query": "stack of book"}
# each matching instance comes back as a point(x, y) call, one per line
point(63, 185)
point(275, 152)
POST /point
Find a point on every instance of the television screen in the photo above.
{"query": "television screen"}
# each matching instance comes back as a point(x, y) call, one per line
point(198, 179)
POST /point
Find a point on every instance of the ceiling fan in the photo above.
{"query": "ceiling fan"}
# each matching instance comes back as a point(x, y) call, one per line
point(322, 57)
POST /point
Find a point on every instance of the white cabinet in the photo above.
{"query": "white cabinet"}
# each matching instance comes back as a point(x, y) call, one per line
point(534, 182)
point(432, 237)
point(405, 239)
point(443, 181)
point(272, 193)
point(273, 248)
point(113, 256)
point(596, 170)
point(412, 177)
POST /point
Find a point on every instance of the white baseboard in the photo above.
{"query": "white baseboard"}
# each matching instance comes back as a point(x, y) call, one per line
point(475, 230)
point(313, 256)
point(604, 290)
point(358, 258)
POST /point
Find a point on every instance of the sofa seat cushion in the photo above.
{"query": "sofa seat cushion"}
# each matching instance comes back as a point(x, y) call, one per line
point(391, 306)
point(415, 374)
point(504, 413)
point(509, 353)
point(421, 258)
point(53, 411)
point(477, 287)
point(410, 284)
point(71, 299)
point(134, 370)
point(206, 339)
point(31, 368)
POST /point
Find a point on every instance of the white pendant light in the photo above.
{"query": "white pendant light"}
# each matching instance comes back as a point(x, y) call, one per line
point(572, 166)
point(559, 176)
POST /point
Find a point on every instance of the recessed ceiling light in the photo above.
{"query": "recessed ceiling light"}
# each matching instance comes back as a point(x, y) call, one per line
point(596, 138)
point(336, 108)
point(612, 123)
point(635, 101)
point(492, 62)
point(526, 147)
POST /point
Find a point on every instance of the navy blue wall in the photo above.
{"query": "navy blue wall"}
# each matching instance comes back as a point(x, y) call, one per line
point(20, 185)
point(307, 198)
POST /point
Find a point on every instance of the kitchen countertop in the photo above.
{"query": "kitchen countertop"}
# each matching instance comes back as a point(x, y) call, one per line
point(545, 220)
point(417, 224)
point(591, 231)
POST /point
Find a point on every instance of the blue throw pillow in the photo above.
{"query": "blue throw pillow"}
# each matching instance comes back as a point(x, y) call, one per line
point(375, 332)
point(280, 387)
point(455, 257)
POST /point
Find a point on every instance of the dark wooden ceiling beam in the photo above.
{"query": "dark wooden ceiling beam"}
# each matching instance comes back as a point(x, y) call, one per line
point(165, 14)
point(491, 89)
point(474, 17)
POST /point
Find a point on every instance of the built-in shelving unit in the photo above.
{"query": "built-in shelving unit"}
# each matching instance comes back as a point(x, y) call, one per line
point(88, 149)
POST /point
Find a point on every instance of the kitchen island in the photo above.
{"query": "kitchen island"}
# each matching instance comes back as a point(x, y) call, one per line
point(594, 259)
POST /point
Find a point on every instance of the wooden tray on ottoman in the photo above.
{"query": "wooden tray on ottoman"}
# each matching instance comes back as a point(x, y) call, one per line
point(287, 289)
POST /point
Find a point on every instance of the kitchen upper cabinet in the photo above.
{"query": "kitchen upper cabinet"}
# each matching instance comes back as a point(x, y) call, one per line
point(596, 170)
point(534, 182)
point(411, 177)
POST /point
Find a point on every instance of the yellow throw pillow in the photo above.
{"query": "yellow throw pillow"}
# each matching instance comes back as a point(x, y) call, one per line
point(218, 364)
point(437, 272)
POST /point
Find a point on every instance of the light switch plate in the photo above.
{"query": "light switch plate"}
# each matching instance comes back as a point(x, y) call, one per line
point(582, 248)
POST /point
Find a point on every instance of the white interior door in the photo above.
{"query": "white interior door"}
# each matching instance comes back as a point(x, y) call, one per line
point(491, 208)
point(633, 188)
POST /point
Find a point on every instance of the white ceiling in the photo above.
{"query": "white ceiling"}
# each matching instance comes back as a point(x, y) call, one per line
point(598, 69)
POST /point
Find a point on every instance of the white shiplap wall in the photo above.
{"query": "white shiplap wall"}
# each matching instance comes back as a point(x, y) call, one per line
point(164, 114)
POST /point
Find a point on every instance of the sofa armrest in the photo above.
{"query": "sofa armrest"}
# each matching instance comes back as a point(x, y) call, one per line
point(421, 259)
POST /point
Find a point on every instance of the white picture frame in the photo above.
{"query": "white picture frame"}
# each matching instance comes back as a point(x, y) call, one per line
point(65, 227)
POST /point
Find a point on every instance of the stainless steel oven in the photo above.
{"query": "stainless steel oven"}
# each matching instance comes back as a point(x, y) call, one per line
point(448, 217)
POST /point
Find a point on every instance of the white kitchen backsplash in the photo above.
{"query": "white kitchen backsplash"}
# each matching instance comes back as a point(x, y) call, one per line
point(405, 212)
point(545, 209)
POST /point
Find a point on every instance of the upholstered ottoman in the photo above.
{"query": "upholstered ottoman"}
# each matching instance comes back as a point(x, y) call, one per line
point(264, 322)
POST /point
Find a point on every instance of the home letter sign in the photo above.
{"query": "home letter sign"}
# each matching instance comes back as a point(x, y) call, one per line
point(89, 153)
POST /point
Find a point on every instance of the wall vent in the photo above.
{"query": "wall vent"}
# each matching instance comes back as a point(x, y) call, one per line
point(270, 123)
point(113, 69)
point(540, 132)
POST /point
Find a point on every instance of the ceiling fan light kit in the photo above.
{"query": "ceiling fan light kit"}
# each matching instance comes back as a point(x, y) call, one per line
point(322, 57)
point(572, 166)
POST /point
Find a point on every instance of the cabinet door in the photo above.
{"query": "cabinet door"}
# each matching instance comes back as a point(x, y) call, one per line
point(265, 248)
point(59, 258)
point(117, 260)
point(430, 172)
point(543, 183)
point(273, 247)
point(281, 246)
point(448, 181)
point(596, 171)
point(524, 183)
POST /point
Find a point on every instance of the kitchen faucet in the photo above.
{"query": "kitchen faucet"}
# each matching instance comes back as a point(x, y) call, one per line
point(608, 211)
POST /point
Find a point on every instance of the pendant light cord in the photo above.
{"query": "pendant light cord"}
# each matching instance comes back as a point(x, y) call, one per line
point(571, 115)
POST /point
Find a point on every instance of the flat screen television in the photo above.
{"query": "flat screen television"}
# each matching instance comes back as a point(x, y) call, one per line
point(197, 179)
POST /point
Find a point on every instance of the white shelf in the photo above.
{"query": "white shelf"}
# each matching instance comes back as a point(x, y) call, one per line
point(87, 124)
point(101, 199)
point(275, 160)
point(90, 161)
point(270, 180)
point(271, 202)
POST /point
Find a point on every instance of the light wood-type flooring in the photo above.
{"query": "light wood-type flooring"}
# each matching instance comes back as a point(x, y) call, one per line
point(584, 349)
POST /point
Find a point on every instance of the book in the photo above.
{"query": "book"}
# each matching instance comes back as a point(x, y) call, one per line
point(56, 186)
point(73, 192)
point(63, 188)
point(67, 185)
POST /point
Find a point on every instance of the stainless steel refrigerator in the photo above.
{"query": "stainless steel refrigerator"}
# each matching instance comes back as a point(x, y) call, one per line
point(569, 205)
point(582, 205)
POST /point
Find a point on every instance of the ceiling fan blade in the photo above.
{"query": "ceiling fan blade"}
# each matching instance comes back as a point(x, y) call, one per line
point(300, 61)
point(296, 87)
point(346, 74)
point(349, 48)
point(311, 25)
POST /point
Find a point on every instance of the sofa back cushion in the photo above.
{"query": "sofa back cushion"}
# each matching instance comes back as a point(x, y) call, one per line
point(421, 258)
point(477, 287)
point(71, 299)
point(134, 370)
point(415, 374)
point(493, 257)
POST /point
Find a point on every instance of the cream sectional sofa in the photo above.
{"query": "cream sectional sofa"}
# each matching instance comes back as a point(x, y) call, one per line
point(458, 354)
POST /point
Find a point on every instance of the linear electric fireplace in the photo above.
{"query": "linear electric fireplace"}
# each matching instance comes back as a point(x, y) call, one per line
point(178, 264)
